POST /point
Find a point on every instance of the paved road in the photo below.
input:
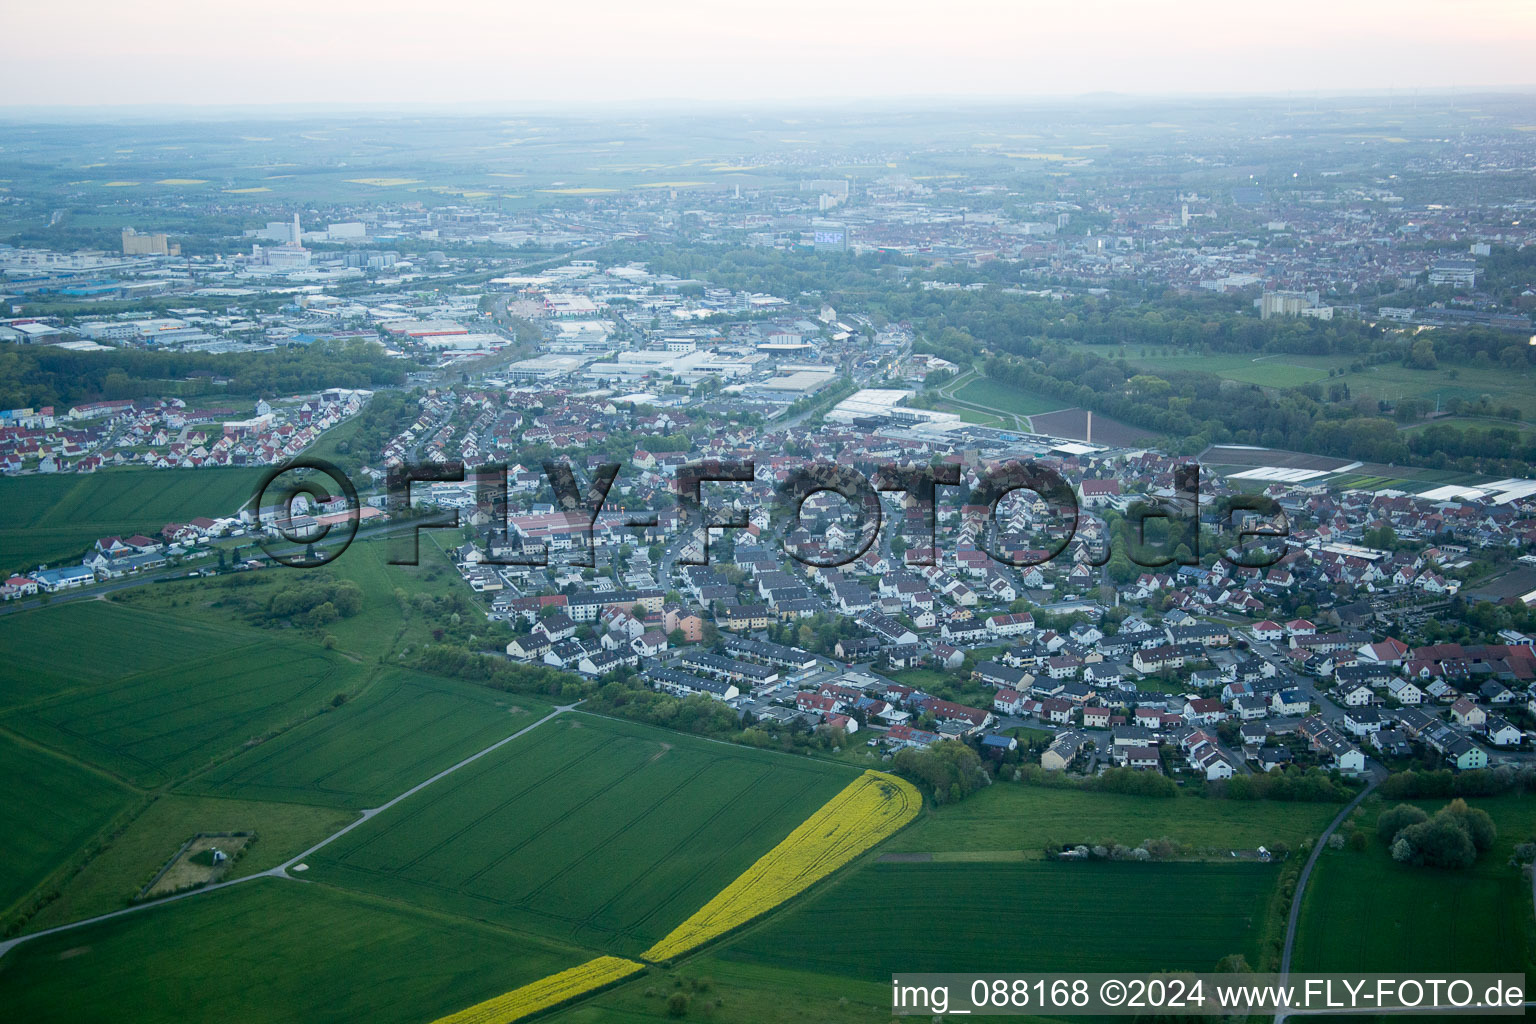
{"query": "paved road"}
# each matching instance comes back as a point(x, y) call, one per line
point(96, 590)
point(184, 571)
point(1306, 873)
point(948, 389)
point(281, 871)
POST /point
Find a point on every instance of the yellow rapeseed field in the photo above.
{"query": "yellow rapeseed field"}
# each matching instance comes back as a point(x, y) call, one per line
point(874, 806)
point(546, 992)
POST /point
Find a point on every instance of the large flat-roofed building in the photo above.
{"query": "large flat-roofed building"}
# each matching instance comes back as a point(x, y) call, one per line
point(155, 244)
point(829, 236)
point(563, 305)
point(425, 328)
point(573, 336)
point(690, 366)
point(1454, 272)
point(799, 381)
point(1273, 304)
point(463, 342)
point(885, 403)
point(544, 367)
point(784, 348)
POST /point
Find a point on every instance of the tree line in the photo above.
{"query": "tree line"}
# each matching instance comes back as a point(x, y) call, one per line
point(42, 375)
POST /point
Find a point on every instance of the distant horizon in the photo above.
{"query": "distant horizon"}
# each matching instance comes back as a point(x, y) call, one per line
point(164, 52)
point(917, 102)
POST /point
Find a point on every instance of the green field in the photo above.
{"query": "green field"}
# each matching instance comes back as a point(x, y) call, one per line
point(1388, 381)
point(153, 725)
point(50, 808)
point(110, 880)
point(994, 395)
point(1475, 423)
point(55, 518)
point(146, 695)
point(1276, 371)
point(1016, 817)
point(381, 624)
point(404, 728)
point(587, 830)
point(44, 655)
point(1039, 916)
point(1280, 371)
point(1365, 912)
point(1392, 381)
point(271, 951)
point(730, 991)
point(980, 419)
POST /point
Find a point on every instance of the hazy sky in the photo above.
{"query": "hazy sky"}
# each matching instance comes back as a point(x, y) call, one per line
point(544, 55)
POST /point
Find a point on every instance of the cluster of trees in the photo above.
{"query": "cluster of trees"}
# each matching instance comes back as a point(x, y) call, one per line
point(1024, 325)
point(312, 602)
point(949, 769)
point(817, 633)
point(451, 616)
point(386, 415)
point(1444, 783)
point(1196, 409)
point(47, 375)
point(1133, 783)
point(1453, 838)
point(497, 673)
point(1471, 622)
point(1508, 272)
point(624, 696)
point(704, 716)
point(1442, 444)
point(1312, 785)
point(197, 229)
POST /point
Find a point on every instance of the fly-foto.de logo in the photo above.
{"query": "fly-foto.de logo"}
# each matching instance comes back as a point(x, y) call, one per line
point(301, 514)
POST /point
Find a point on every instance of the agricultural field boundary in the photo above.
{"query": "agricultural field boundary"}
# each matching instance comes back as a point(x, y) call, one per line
point(546, 992)
point(872, 808)
point(281, 871)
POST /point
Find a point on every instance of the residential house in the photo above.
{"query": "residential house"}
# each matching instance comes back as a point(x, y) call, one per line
point(1469, 714)
point(1063, 750)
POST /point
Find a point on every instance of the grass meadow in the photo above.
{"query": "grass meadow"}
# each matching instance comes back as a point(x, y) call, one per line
point(1365, 912)
point(1386, 381)
point(1018, 817)
point(113, 878)
point(379, 626)
point(731, 991)
point(1277, 371)
point(994, 395)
